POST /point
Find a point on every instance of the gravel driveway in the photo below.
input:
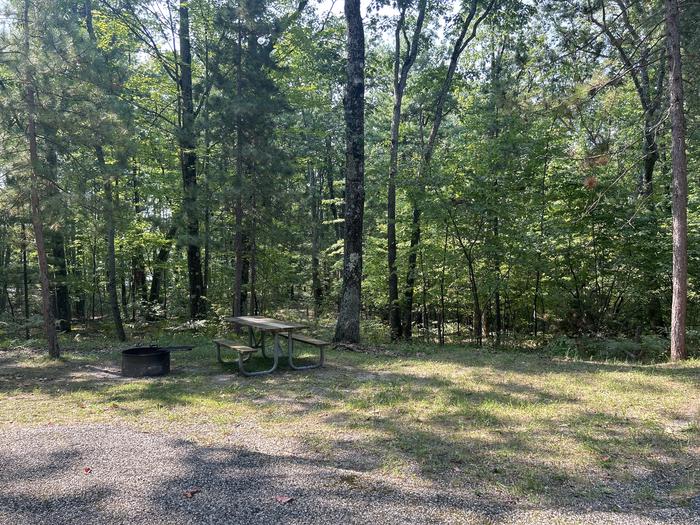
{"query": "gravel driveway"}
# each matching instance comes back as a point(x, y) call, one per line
point(102, 474)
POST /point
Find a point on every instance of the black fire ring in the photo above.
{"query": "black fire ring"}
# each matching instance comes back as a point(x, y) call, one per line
point(148, 361)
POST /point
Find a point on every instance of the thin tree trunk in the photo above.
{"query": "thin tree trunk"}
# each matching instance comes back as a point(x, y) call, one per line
point(111, 258)
point(467, 251)
point(61, 302)
point(411, 275)
point(497, 273)
point(5, 255)
point(469, 25)
point(680, 185)
point(441, 324)
point(254, 307)
point(206, 165)
point(25, 281)
point(315, 241)
point(158, 277)
point(238, 236)
point(49, 324)
point(347, 328)
point(401, 71)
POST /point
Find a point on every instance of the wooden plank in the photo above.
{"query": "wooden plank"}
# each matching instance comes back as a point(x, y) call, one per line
point(267, 324)
point(233, 345)
point(308, 340)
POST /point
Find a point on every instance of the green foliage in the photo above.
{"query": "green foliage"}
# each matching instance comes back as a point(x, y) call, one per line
point(530, 212)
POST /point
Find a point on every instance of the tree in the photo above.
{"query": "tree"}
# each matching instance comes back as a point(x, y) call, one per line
point(34, 166)
point(347, 328)
point(402, 67)
point(680, 184)
point(188, 154)
point(467, 26)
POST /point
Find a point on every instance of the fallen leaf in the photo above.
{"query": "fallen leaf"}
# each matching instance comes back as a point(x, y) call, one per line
point(87, 470)
point(191, 492)
point(283, 499)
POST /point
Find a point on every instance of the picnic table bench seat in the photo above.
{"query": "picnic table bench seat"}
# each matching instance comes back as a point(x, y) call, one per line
point(244, 353)
point(307, 340)
point(311, 341)
point(233, 345)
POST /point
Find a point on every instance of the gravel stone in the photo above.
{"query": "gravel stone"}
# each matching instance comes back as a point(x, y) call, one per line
point(107, 474)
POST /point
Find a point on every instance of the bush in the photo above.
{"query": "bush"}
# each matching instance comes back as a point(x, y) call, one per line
point(650, 348)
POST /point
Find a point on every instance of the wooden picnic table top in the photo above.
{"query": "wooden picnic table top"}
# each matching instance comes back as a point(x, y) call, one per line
point(267, 324)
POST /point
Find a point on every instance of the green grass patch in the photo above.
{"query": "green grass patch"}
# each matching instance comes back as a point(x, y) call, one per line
point(513, 423)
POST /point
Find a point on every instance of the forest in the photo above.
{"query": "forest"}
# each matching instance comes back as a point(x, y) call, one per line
point(490, 172)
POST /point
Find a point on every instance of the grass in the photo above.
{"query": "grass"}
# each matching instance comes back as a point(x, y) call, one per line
point(509, 424)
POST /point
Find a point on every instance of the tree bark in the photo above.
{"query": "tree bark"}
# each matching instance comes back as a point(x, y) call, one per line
point(61, 303)
point(347, 328)
point(49, 324)
point(5, 254)
point(238, 236)
point(680, 185)
point(188, 159)
point(411, 275)
point(317, 289)
point(25, 281)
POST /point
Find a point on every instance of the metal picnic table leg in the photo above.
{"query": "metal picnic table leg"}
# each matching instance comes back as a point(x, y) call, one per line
point(218, 354)
point(290, 351)
point(275, 360)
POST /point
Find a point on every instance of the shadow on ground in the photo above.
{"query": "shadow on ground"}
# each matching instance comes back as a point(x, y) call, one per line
point(376, 443)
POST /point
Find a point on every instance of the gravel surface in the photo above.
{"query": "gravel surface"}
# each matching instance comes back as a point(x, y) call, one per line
point(112, 474)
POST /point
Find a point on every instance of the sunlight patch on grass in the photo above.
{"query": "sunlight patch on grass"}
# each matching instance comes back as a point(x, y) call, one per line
point(517, 424)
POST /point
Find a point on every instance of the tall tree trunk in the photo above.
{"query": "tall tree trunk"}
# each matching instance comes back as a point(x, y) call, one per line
point(25, 281)
point(139, 294)
point(347, 328)
point(61, 303)
point(238, 236)
point(411, 275)
point(680, 185)
point(188, 156)
point(497, 274)
point(5, 254)
point(441, 323)
point(111, 258)
point(49, 324)
point(315, 240)
point(254, 307)
point(401, 71)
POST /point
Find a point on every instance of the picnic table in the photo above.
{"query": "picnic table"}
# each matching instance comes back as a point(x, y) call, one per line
point(278, 329)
